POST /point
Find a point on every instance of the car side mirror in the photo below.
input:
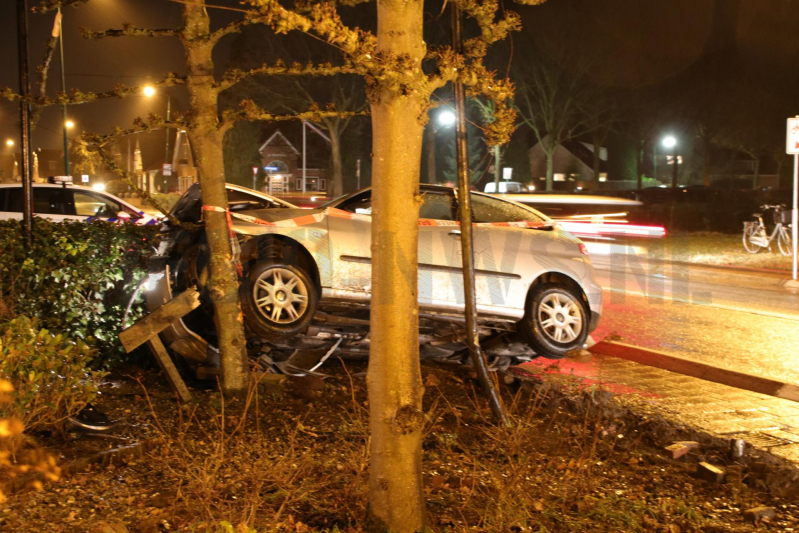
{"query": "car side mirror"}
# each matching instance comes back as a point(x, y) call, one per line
point(124, 215)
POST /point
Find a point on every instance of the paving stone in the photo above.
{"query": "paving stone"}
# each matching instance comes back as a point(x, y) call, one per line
point(710, 473)
point(756, 514)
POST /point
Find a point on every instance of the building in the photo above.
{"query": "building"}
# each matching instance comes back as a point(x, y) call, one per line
point(283, 166)
point(573, 162)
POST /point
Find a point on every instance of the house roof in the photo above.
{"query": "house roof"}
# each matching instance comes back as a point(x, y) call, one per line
point(272, 139)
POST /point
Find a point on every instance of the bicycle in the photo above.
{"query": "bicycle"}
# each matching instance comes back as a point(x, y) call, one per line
point(756, 238)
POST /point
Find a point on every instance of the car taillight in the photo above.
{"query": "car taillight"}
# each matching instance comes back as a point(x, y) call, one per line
point(583, 249)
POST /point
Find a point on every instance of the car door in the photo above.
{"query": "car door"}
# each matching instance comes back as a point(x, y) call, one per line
point(91, 205)
point(507, 258)
point(350, 249)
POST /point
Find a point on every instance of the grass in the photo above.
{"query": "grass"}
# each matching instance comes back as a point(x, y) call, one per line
point(716, 249)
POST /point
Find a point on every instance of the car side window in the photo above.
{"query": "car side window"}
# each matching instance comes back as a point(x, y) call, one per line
point(360, 203)
point(46, 201)
point(241, 201)
point(437, 206)
point(94, 205)
point(488, 209)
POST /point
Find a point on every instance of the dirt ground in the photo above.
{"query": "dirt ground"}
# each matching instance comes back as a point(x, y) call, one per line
point(297, 461)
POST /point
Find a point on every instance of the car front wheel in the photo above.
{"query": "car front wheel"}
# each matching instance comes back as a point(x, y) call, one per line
point(556, 320)
point(279, 299)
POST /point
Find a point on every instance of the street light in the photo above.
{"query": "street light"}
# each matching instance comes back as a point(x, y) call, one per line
point(10, 142)
point(671, 142)
point(69, 124)
point(446, 117)
point(149, 91)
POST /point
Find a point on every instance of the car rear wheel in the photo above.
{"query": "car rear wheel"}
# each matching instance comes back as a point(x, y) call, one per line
point(279, 298)
point(556, 320)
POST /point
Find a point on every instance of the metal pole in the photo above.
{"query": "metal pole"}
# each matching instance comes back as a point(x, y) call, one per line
point(497, 169)
point(63, 90)
point(674, 170)
point(358, 175)
point(303, 156)
point(467, 239)
point(25, 111)
point(795, 211)
point(166, 152)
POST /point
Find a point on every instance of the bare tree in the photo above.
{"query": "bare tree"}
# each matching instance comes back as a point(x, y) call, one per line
point(552, 93)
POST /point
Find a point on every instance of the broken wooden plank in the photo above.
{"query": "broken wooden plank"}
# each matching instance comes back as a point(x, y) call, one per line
point(166, 364)
point(157, 321)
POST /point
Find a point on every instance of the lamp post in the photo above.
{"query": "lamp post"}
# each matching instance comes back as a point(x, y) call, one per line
point(58, 31)
point(671, 142)
point(444, 119)
point(149, 91)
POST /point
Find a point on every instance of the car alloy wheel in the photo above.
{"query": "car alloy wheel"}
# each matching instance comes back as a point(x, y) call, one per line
point(560, 317)
point(556, 321)
point(280, 296)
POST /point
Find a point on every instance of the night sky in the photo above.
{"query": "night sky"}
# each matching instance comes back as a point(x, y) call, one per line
point(633, 43)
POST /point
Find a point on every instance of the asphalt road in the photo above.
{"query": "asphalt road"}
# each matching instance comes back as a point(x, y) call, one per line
point(727, 323)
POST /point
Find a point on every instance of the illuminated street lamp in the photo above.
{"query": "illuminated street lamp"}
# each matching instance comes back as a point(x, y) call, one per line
point(10, 142)
point(149, 91)
point(69, 124)
point(446, 118)
point(671, 142)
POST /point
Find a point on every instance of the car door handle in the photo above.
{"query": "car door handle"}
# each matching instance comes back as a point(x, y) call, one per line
point(455, 233)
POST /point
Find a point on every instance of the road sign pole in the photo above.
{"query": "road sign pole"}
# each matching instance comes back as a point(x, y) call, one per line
point(792, 147)
point(795, 211)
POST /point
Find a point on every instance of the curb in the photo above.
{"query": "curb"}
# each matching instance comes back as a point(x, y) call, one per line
point(679, 365)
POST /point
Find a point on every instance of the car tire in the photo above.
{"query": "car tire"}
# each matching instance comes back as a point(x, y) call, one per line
point(278, 296)
point(556, 320)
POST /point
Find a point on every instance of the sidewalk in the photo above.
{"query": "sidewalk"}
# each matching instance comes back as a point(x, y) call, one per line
point(763, 421)
point(706, 273)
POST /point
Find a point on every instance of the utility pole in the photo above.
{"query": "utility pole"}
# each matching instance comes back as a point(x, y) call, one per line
point(467, 238)
point(304, 146)
point(59, 28)
point(25, 112)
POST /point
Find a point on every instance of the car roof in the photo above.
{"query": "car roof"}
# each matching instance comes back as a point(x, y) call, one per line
point(247, 190)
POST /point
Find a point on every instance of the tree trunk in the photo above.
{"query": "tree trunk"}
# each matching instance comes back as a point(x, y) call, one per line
point(706, 164)
point(596, 152)
point(639, 165)
point(497, 167)
point(337, 185)
point(757, 172)
point(207, 138)
point(550, 169)
point(430, 148)
point(396, 501)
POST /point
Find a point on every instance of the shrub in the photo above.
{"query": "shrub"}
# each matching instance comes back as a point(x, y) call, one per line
point(75, 277)
point(48, 372)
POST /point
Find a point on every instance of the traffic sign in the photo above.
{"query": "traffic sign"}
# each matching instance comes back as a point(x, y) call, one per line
point(84, 178)
point(167, 169)
point(792, 145)
point(507, 172)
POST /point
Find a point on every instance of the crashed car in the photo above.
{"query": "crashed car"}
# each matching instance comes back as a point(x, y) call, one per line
point(306, 278)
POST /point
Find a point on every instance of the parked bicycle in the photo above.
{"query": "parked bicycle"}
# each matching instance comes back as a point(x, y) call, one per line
point(756, 237)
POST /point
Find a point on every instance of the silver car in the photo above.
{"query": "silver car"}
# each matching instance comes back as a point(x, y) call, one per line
point(307, 274)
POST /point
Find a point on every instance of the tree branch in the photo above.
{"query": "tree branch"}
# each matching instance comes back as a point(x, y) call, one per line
point(249, 110)
point(52, 5)
point(78, 97)
point(128, 30)
point(234, 76)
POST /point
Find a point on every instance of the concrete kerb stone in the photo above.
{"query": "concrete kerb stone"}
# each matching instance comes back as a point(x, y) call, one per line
point(658, 426)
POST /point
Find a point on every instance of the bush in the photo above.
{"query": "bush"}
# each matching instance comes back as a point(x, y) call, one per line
point(48, 372)
point(75, 278)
